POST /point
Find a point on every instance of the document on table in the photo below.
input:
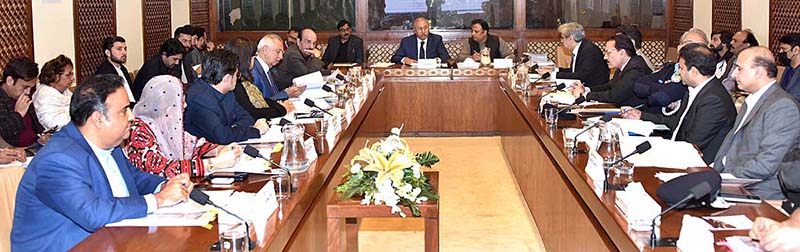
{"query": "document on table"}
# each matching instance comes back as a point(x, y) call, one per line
point(18, 163)
point(311, 81)
point(382, 64)
point(184, 214)
point(273, 135)
point(695, 235)
point(663, 153)
point(644, 128)
point(344, 64)
point(315, 93)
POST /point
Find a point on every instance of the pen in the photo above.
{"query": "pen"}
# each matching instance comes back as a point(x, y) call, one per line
point(628, 110)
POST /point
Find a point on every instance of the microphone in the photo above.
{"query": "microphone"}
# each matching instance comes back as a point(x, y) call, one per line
point(606, 118)
point(283, 122)
point(523, 61)
point(202, 198)
point(311, 103)
point(328, 89)
point(253, 152)
point(342, 78)
point(641, 148)
point(697, 192)
point(578, 100)
point(545, 76)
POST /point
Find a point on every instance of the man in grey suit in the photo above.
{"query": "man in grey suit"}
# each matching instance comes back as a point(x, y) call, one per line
point(766, 128)
point(299, 60)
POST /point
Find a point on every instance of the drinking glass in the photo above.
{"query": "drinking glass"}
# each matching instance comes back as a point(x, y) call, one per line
point(233, 240)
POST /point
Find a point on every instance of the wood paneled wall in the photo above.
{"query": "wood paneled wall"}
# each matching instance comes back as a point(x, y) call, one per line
point(94, 20)
point(784, 16)
point(157, 23)
point(682, 20)
point(726, 15)
point(199, 16)
point(16, 30)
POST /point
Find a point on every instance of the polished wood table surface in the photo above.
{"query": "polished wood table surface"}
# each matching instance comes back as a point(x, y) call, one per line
point(569, 213)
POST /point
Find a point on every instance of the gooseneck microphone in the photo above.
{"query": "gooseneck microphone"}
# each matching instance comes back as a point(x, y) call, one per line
point(342, 78)
point(328, 89)
point(523, 61)
point(253, 152)
point(578, 100)
point(311, 103)
point(202, 198)
point(606, 118)
point(697, 192)
point(641, 148)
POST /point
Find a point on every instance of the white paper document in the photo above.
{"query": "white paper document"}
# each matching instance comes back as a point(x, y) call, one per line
point(643, 128)
point(637, 206)
point(663, 153)
point(667, 176)
point(311, 81)
point(695, 235)
point(382, 64)
point(273, 135)
point(315, 93)
point(184, 214)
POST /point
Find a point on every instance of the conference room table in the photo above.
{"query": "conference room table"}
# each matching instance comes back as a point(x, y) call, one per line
point(570, 214)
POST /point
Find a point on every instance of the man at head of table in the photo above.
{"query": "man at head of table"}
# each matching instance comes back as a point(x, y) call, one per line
point(422, 45)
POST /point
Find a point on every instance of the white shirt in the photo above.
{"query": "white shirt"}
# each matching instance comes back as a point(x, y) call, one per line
point(575, 56)
point(419, 44)
point(693, 91)
point(51, 106)
point(118, 187)
point(266, 69)
point(127, 85)
point(751, 101)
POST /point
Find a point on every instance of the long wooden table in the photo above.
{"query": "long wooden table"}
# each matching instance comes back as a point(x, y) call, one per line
point(440, 102)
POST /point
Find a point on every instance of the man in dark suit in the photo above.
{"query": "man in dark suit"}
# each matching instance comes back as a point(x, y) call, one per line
point(116, 55)
point(620, 54)
point(706, 113)
point(344, 48)
point(185, 72)
point(19, 124)
point(422, 44)
point(81, 180)
point(299, 60)
point(789, 57)
point(164, 63)
point(211, 108)
point(765, 129)
point(587, 59)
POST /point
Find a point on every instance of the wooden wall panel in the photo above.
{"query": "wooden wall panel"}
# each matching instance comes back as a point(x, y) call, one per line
point(199, 15)
point(157, 24)
point(784, 18)
point(94, 20)
point(726, 15)
point(682, 20)
point(16, 30)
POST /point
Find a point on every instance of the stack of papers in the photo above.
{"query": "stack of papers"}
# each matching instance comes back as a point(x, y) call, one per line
point(663, 153)
point(637, 206)
point(695, 235)
point(310, 81)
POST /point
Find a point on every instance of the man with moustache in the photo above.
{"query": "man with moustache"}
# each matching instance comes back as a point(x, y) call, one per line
point(721, 44)
point(345, 47)
point(116, 52)
point(299, 60)
point(164, 63)
point(789, 57)
point(422, 45)
point(185, 72)
point(741, 40)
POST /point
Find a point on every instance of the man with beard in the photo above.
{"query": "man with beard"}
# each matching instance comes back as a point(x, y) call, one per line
point(789, 57)
point(344, 48)
point(299, 60)
point(200, 45)
point(163, 63)
point(741, 40)
point(185, 72)
point(721, 44)
point(116, 52)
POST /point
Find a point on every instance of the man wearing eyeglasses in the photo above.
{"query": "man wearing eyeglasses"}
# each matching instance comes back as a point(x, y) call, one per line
point(299, 60)
point(344, 48)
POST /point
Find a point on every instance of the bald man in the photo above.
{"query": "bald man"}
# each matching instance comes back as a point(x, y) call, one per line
point(765, 129)
point(298, 60)
point(422, 45)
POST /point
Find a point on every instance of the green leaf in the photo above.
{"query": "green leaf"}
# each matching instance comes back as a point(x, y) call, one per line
point(427, 159)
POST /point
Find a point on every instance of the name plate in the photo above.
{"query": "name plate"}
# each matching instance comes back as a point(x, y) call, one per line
point(594, 166)
point(311, 151)
point(348, 111)
point(503, 63)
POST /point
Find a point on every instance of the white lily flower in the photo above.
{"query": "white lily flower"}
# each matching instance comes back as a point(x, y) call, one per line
point(355, 168)
point(416, 169)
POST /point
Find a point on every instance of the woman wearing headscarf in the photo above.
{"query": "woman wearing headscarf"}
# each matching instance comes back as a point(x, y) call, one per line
point(247, 94)
point(159, 145)
point(52, 96)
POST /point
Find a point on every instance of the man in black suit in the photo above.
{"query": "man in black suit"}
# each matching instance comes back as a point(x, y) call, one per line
point(620, 54)
point(587, 59)
point(185, 72)
point(707, 114)
point(423, 44)
point(164, 63)
point(344, 48)
point(116, 55)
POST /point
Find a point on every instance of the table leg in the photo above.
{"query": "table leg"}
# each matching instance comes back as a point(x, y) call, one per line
point(351, 234)
point(431, 234)
point(334, 240)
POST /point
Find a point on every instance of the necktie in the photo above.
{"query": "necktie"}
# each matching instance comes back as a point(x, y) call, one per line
point(740, 119)
point(422, 51)
point(272, 87)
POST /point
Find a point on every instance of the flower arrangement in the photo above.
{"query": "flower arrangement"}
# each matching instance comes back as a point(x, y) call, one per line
point(389, 173)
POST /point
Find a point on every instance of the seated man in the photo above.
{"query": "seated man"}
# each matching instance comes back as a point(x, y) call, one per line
point(19, 123)
point(471, 48)
point(587, 59)
point(766, 127)
point(620, 54)
point(81, 181)
point(664, 89)
point(116, 52)
point(299, 60)
point(169, 56)
point(741, 40)
point(721, 44)
point(706, 113)
point(789, 48)
point(345, 47)
point(633, 32)
point(421, 45)
point(185, 70)
point(269, 54)
point(211, 108)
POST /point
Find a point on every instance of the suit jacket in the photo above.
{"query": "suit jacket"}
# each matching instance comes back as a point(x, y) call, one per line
point(294, 65)
point(216, 116)
point(12, 124)
point(658, 88)
point(185, 66)
point(758, 149)
point(108, 68)
point(355, 50)
point(151, 68)
point(793, 85)
point(590, 67)
point(433, 48)
point(269, 90)
point(707, 121)
point(64, 195)
point(619, 90)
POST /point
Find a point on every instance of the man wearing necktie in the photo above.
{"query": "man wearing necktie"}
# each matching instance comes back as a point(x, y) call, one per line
point(421, 45)
point(765, 135)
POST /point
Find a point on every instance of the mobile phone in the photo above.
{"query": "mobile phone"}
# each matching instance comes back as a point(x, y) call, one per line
point(237, 176)
point(742, 198)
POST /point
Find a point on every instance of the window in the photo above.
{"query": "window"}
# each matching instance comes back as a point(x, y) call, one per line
point(548, 14)
point(444, 14)
point(266, 15)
